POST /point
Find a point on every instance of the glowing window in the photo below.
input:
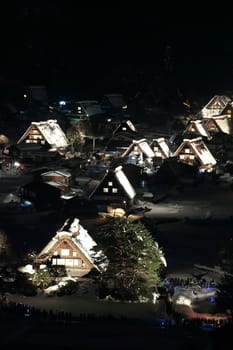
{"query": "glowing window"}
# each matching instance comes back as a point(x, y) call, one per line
point(114, 190)
point(69, 262)
point(60, 261)
point(77, 262)
point(187, 150)
point(110, 183)
point(65, 252)
point(105, 190)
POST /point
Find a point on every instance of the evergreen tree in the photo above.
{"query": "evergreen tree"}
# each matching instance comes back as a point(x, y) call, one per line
point(96, 127)
point(75, 138)
point(134, 259)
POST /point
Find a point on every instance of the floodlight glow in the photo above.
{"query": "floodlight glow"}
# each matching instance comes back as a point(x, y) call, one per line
point(25, 203)
point(16, 164)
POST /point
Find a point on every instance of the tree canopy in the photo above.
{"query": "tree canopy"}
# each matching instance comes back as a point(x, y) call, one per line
point(134, 260)
point(75, 138)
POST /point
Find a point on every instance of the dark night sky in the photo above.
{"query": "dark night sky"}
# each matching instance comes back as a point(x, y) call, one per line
point(84, 48)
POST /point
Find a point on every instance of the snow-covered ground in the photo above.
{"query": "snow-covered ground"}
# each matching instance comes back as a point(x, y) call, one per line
point(192, 225)
point(90, 306)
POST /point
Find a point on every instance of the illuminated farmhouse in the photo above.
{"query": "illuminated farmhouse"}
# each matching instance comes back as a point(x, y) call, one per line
point(47, 133)
point(219, 104)
point(160, 148)
point(197, 128)
point(140, 149)
point(125, 127)
point(121, 138)
point(70, 247)
point(218, 124)
point(195, 152)
point(114, 188)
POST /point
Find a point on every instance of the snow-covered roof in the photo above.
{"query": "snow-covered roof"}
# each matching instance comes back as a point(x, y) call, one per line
point(9, 198)
point(73, 230)
point(51, 131)
point(123, 180)
point(199, 149)
point(162, 144)
point(83, 240)
point(125, 126)
point(197, 126)
point(114, 178)
point(61, 172)
point(222, 123)
point(142, 146)
point(215, 106)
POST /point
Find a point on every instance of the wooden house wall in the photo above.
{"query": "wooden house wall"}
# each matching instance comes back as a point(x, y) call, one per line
point(34, 136)
point(70, 259)
point(211, 126)
point(158, 151)
point(187, 154)
point(110, 188)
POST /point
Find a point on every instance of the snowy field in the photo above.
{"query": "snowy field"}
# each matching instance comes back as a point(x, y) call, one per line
point(90, 306)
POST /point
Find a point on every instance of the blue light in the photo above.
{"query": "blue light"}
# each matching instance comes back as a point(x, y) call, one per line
point(212, 299)
point(25, 204)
